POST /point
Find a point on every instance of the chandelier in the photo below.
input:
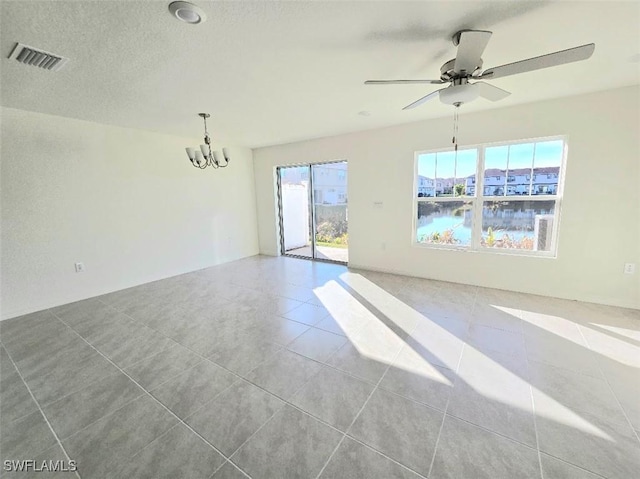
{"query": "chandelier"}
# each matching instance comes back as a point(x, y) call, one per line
point(205, 156)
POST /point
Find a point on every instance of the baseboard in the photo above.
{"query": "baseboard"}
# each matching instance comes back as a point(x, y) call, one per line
point(594, 300)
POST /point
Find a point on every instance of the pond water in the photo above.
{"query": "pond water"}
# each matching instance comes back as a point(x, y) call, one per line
point(462, 232)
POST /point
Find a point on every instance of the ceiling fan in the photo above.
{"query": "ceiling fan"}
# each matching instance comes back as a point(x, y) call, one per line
point(467, 66)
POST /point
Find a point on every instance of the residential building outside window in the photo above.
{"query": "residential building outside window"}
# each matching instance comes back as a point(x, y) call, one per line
point(513, 206)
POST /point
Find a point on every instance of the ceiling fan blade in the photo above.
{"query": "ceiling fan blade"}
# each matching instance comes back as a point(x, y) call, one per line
point(490, 92)
point(471, 45)
point(424, 99)
point(402, 82)
point(544, 61)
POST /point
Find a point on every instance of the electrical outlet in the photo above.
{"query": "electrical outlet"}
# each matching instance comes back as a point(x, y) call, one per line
point(79, 267)
point(629, 268)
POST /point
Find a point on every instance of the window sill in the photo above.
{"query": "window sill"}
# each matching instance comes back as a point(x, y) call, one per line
point(489, 251)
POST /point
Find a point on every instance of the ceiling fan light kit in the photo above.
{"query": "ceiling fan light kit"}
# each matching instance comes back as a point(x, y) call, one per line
point(468, 64)
point(205, 156)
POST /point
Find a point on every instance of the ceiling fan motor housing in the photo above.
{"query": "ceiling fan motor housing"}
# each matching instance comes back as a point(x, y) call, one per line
point(448, 74)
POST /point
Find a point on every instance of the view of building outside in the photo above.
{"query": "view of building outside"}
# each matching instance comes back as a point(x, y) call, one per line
point(515, 214)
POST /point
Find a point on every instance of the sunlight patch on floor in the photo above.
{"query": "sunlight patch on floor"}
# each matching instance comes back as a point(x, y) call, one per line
point(378, 341)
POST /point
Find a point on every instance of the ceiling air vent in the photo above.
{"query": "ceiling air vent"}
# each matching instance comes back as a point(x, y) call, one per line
point(38, 58)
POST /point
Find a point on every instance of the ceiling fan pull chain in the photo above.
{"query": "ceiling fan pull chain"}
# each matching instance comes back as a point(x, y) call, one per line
point(454, 140)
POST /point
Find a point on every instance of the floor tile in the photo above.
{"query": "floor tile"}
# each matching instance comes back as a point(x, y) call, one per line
point(334, 397)
point(279, 330)
point(553, 468)
point(64, 381)
point(399, 428)
point(359, 363)
point(93, 322)
point(505, 410)
point(242, 358)
point(438, 345)
point(355, 461)
point(71, 356)
point(28, 327)
point(284, 374)
point(83, 407)
point(26, 437)
point(232, 417)
point(557, 388)
point(83, 314)
point(465, 450)
point(589, 442)
point(277, 305)
point(484, 338)
point(493, 367)
point(495, 316)
point(129, 342)
point(15, 399)
point(625, 383)
point(229, 471)
point(108, 443)
point(317, 344)
point(412, 376)
point(616, 347)
point(186, 393)
point(292, 445)
point(307, 314)
point(162, 366)
point(178, 453)
point(562, 353)
point(48, 340)
point(542, 325)
point(346, 325)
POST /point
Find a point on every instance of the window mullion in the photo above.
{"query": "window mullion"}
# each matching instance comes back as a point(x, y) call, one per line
point(476, 225)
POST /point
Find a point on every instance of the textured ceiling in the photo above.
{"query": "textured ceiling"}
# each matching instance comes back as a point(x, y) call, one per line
point(276, 72)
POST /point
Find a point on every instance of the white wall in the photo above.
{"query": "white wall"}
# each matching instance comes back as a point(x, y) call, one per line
point(127, 203)
point(600, 222)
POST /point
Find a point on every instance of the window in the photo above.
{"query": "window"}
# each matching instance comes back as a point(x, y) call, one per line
point(513, 206)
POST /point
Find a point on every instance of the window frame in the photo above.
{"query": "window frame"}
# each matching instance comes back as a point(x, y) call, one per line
point(478, 199)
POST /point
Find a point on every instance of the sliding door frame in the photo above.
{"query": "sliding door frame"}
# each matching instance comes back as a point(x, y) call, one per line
point(312, 212)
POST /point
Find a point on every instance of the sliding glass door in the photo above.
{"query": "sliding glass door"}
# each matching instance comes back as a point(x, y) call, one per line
point(313, 211)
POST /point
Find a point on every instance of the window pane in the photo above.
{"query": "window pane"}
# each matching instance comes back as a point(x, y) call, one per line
point(495, 166)
point(445, 173)
point(518, 224)
point(426, 175)
point(519, 173)
point(466, 173)
point(546, 167)
point(444, 222)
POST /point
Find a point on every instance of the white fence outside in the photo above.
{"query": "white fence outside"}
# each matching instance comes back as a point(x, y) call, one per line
point(295, 215)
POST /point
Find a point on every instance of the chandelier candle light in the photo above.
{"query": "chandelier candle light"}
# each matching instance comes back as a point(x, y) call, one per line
point(205, 156)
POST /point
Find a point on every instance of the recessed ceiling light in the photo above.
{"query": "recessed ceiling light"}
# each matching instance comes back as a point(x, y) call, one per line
point(187, 12)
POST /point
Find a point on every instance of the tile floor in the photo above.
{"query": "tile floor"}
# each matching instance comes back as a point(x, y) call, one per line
point(284, 368)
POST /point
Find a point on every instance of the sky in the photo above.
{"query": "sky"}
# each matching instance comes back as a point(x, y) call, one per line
point(547, 153)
